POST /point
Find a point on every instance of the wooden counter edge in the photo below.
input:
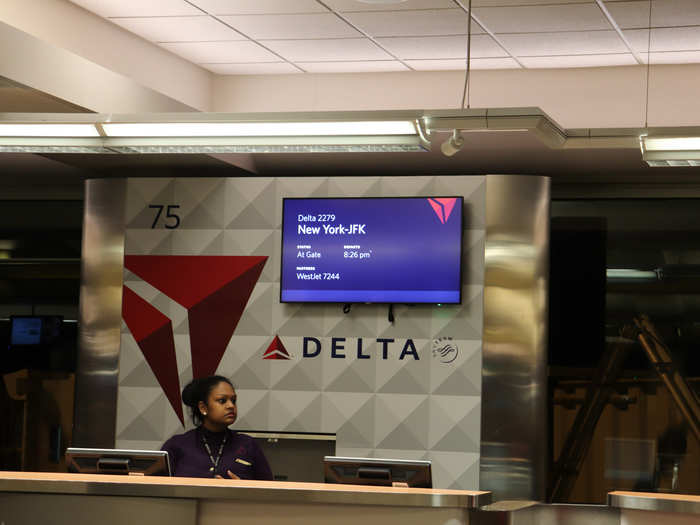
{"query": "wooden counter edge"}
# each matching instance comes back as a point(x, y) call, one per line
point(655, 501)
point(271, 491)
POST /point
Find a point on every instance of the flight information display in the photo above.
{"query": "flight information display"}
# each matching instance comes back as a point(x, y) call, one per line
point(372, 250)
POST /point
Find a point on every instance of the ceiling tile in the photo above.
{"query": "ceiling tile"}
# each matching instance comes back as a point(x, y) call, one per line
point(452, 65)
point(664, 13)
point(511, 3)
point(179, 28)
point(571, 43)
point(332, 50)
point(540, 19)
point(664, 39)
point(267, 68)
point(356, 5)
point(308, 26)
point(110, 8)
point(374, 66)
point(674, 57)
point(620, 59)
point(259, 7)
point(436, 47)
point(211, 52)
point(413, 23)
point(630, 15)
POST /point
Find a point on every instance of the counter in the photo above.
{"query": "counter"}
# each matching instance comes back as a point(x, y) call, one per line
point(31, 497)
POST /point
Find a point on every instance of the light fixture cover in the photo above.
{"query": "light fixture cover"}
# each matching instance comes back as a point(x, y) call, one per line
point(48, 130)
point(259, 129)
point(671, 143)
point(673, 152)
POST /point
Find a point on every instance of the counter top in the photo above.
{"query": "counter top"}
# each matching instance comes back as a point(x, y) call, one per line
point(657, 501)
point(228, 489)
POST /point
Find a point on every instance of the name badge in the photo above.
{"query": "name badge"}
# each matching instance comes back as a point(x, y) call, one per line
point(244, 462)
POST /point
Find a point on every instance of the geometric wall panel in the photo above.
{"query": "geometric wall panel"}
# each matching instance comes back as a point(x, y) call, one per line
point(383, 388)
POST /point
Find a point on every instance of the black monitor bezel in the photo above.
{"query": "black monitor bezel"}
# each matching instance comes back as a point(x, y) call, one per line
point(423, 466)
point(160, 458)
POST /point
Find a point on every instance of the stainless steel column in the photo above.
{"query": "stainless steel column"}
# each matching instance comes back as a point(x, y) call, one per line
point(513, 423)
point(100, 313)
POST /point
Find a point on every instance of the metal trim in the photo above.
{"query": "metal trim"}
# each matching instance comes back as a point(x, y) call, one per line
point(96, 381)
point(243, 490)
point(516, 282)
point(655, 502)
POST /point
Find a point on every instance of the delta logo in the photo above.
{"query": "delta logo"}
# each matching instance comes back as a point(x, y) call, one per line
point(343, 347)
point(214, 290)
point(443, 207)
point(276, 351)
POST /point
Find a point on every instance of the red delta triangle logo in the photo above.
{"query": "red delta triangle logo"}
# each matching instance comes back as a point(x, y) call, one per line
point(443, 207)
point(276, 350)
point(213, 289)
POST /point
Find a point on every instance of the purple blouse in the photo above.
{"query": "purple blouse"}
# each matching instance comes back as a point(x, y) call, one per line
point(241, 455)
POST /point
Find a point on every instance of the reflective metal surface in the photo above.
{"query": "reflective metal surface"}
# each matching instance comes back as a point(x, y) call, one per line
point(657, 502)
point(100, 314)
point(243, 490)
point(533, 513)
point(513, 421)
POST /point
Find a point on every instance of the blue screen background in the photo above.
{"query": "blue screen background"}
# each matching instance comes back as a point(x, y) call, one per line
point(407, 255)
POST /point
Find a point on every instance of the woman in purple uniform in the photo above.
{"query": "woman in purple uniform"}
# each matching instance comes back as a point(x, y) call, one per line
point(211, 449)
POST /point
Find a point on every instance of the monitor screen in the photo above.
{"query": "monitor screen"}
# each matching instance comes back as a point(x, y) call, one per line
point(372, 250)
point(34, 330)
point(376, 471)
point(116, 461)
point(25, 331)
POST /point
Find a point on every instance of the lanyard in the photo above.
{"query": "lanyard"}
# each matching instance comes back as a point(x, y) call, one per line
point(214, 462)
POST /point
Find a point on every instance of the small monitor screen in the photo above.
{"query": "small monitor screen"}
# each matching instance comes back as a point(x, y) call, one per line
point(376, 471)
point(118, 461)
point(372, 250)
point(25, 331)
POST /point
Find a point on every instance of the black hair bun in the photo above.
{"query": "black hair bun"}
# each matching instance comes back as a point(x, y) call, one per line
point(190, 394)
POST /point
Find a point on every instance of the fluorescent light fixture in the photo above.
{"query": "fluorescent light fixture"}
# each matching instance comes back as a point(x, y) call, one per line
point(259, 129)
point(627, 274)
point(271, 148)
point(675, 152)
point(671, 143)
point(48, 130)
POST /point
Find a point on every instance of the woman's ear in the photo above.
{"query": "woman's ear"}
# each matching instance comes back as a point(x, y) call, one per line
point(202, 408)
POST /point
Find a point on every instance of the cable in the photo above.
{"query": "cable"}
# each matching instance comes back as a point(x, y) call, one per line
point(465, 92)
point(646, 105)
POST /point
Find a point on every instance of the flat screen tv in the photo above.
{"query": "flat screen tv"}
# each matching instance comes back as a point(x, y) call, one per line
point(34, 330)
point(118, 461)
point(376, 471)
point(372, 250)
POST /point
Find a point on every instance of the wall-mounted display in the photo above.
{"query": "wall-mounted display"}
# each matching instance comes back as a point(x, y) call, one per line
point(372, 250)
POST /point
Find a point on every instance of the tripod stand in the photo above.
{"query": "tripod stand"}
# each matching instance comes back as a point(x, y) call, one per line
point(579, 438)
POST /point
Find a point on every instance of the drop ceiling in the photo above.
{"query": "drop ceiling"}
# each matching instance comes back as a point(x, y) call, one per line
point(243, 37)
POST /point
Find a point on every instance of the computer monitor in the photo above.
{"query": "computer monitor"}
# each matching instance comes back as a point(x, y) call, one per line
point(116, 461)
point(34, 330)
point(376, 471)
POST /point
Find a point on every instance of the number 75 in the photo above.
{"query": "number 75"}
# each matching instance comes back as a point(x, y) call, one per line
point(168, 215)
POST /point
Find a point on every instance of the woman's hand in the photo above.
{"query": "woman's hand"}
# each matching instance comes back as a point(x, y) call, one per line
point(230, 475)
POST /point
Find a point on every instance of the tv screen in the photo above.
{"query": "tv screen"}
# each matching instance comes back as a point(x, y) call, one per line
point(25, 331)
point(376, 471)
point(118, 461)
point(34, 330)
point(372, 250)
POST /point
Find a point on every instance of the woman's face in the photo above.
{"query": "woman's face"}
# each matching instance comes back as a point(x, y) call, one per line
point(220, 410)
